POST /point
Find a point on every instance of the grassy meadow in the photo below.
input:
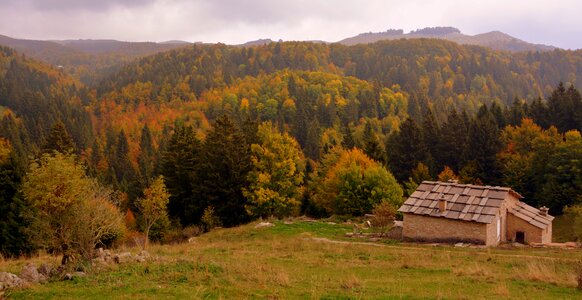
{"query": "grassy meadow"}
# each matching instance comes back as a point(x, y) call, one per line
point(313, 260)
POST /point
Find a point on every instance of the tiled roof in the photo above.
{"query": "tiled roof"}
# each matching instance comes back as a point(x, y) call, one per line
point(531, 215)
point(465, 202)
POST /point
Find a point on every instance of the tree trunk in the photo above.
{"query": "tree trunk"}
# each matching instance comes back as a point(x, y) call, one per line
point(147, 237)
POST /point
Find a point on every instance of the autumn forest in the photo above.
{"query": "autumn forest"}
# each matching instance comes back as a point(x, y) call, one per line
point(231, 134)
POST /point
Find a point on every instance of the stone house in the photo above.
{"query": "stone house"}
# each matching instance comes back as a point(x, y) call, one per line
point(489, 215)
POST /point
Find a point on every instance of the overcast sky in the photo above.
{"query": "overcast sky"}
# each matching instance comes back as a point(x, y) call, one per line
point(555, 22)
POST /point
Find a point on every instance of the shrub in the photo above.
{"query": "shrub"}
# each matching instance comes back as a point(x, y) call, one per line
point(384, 215)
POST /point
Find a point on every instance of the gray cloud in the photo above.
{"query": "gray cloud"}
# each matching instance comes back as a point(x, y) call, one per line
point(233, 21)
point(89, 5)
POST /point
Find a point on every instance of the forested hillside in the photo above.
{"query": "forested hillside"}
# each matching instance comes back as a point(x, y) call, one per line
point(437, 73)
point(291, 128)
point(86, 60)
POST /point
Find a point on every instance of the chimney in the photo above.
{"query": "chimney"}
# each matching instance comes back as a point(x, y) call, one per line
point(442, 204)
point(544, 211)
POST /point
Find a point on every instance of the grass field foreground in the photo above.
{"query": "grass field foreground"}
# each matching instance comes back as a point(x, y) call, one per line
point(313, 260)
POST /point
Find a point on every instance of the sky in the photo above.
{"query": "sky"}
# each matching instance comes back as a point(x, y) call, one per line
point(555, 22)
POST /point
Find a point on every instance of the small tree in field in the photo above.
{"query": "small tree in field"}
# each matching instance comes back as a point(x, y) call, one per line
point(384, 216)
point(71, 213)
point(154, 205)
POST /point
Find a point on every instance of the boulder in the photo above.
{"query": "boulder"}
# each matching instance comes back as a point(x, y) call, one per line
point(142, 256)
point(30, 274)
point(264, 225)
point(123, 258)
point(9, 280)
point(45, 270)
point(71, 276)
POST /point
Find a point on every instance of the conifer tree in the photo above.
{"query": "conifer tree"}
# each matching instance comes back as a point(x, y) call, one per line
point(484, 144)
point(431, 134)
point(59, 140)
point(147, 157)
point(406, 149)
point(13, 238)
point(179, 165)
point(452, 146)
point(372, 146)
point(224, 167)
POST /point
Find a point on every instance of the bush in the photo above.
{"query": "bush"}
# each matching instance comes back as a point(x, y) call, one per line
point(209, 219)
point(384, 216)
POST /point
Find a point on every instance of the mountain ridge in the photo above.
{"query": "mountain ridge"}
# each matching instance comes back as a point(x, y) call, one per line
point(495, 40)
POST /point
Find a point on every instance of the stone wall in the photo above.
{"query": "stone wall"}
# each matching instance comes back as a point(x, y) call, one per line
point(533, 234)
point(432, 229)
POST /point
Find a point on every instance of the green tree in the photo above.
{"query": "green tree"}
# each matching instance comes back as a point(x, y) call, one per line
point(179, 166)
point(419, 174)
point(72, 212)
point(352, 184)
point(153, 206)
point(277, 174)
point(147, 157)
point(372, 145)
point(406, 149)
point(224, 167)
point(484, 144)
point(13, 238)
point(59, 140)
point(453, 141)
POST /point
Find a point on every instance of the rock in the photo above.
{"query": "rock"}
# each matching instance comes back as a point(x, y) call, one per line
point(45, 270)
point(123, 258)
point(288, 222)
point(99, 261)
point(191, 240)
point(264, 225)
point(142, 256)
point(459, 245)
point(331, 223)
point(30, 274)
point(70, 276)
point(9, 280)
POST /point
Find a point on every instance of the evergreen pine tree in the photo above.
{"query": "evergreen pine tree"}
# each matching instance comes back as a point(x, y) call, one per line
point(539, 112)
point(59, 140)
point(406, 149)
point(484, 144)
point(431, 134)
point(372, 146)
point(147, 158)
point(225, 163)
point(179, 164)
point(452, 146)
point(13, 239)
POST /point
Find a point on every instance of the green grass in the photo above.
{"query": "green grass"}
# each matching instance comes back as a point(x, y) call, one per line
point(285, 261)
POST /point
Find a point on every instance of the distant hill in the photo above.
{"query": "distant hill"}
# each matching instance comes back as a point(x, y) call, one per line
point(120, 47)
point(495, 40)
point(258, 42)
point(88, 60)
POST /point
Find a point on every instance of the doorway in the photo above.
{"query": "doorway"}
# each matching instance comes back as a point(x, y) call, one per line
point(520, 237)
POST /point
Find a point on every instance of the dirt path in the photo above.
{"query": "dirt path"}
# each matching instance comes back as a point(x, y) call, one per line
point(399, 247)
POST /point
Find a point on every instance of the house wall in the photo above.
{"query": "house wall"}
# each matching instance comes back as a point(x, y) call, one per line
point(491, 229)
point(433, 229)
point(510, 201)
point(533, 234)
